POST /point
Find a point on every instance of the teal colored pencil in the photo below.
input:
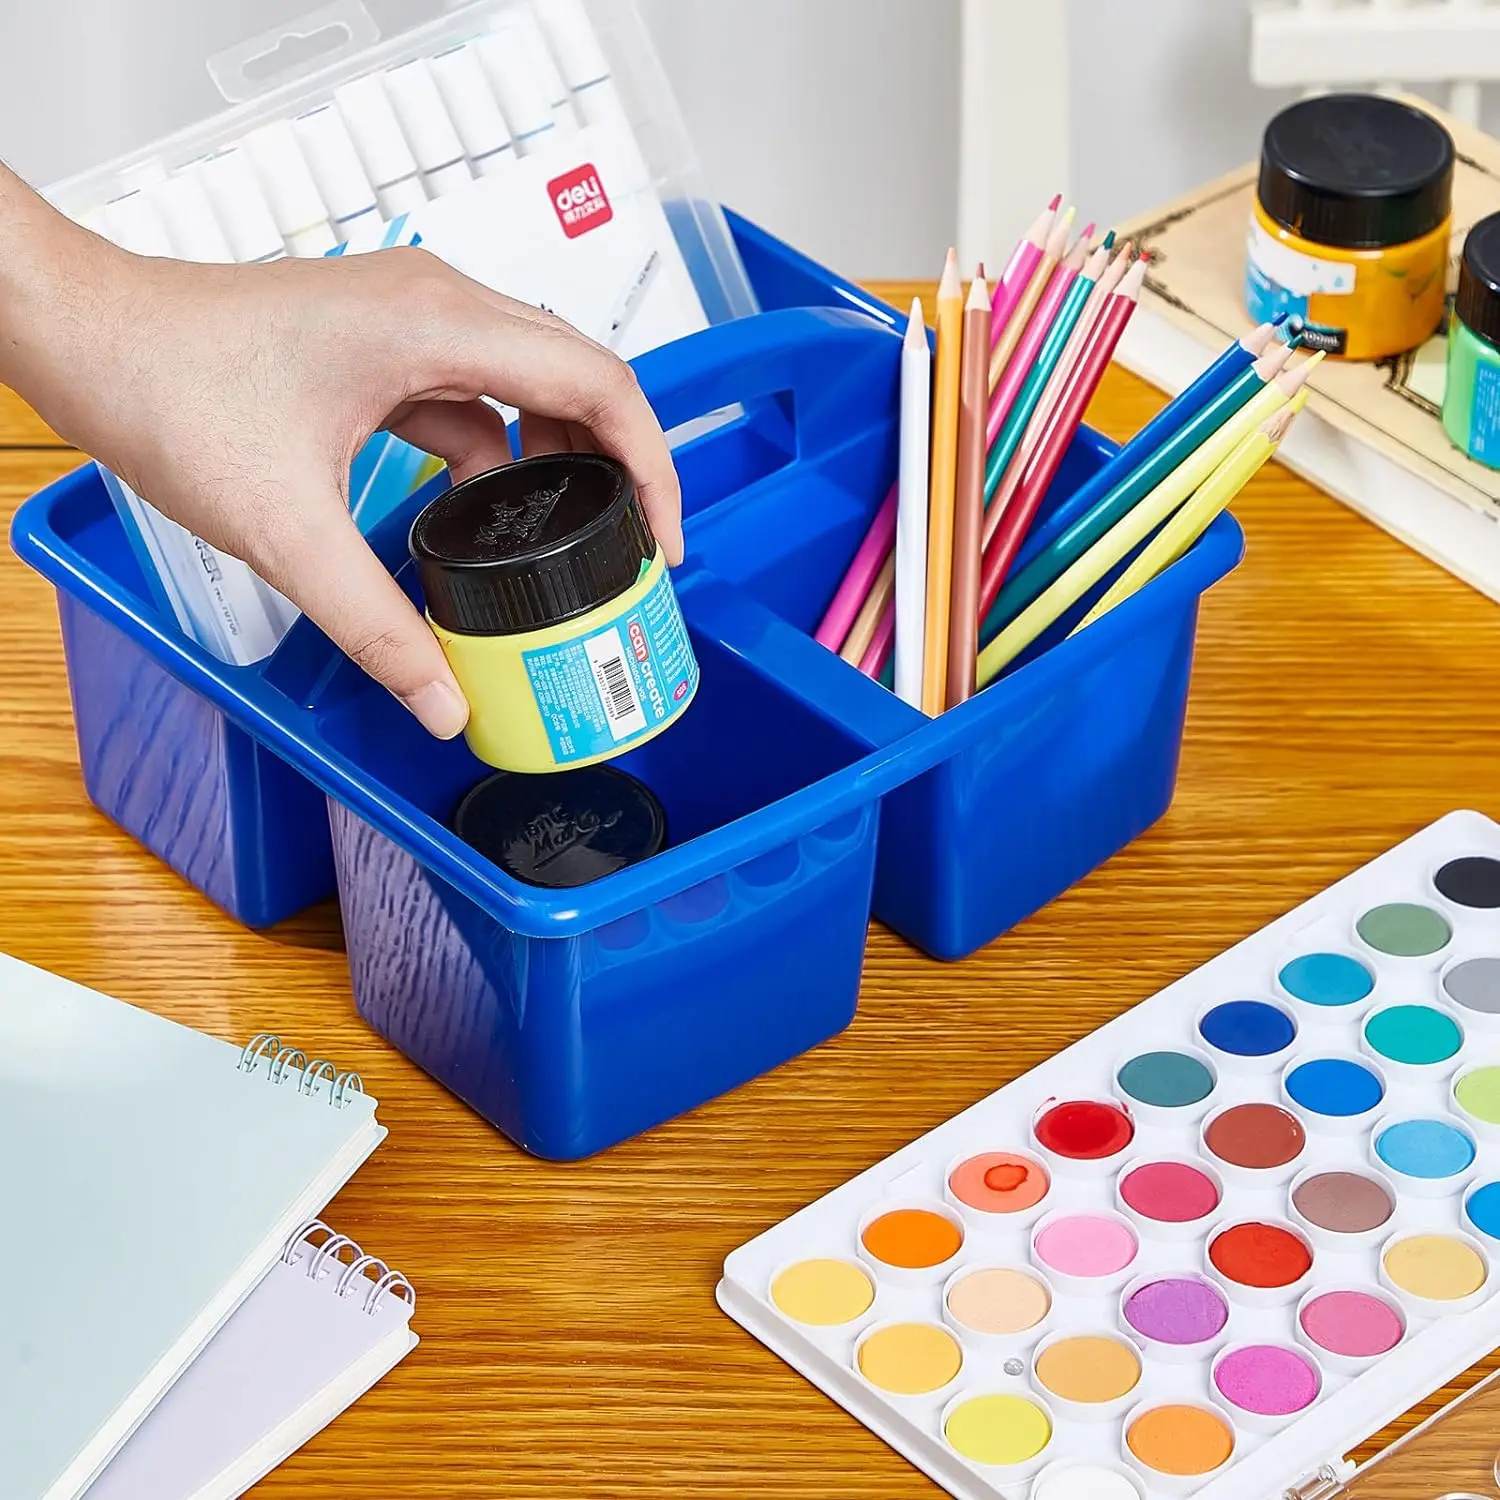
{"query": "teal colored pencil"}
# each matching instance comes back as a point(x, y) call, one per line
point(1008, 439)
point(1065, 549)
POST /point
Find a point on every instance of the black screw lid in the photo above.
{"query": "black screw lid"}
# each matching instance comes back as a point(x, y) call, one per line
point(1478, 301)
point(1357, 171)
point(530, 544)
point(563, 828)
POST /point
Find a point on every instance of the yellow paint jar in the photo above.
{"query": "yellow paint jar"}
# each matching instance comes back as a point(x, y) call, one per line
point(1350, 229)
point(554, 608)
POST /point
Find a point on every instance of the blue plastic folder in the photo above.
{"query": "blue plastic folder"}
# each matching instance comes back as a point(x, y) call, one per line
point(801, 797)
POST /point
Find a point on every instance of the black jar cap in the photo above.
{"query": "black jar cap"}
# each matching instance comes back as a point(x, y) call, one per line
point(562, 828)
point(530, 544)
point(1478, 300)
point(1356, 171)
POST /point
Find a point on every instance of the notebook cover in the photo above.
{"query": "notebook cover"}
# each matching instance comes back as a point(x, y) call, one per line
point(308, 1342)
point(149, 1182)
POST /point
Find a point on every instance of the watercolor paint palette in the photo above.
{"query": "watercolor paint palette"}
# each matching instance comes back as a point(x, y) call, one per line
point(1209, 1249)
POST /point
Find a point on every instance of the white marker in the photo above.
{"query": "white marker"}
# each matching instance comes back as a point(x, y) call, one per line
point(189, 217)
point(574, 43)
point(142, 175)
point(471, 104)
point(519, 26)
point(427, 125)
point(239, 206)
point(337, 171)
point(382, 146)
point(93, 218)
point(522, 102)
point(573, 39)
point(133, 223)
point(296, 205)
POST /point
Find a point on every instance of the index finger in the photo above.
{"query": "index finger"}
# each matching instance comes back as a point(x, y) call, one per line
point(538, 363)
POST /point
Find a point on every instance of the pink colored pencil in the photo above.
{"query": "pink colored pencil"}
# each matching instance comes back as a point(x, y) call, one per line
point(834, 628)
point(1024, 260)
point(1105, 274)
point(872, 663)
point(1013, 377)
point(1098, 350)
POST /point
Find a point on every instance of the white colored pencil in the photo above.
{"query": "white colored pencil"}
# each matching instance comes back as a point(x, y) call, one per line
point(911, 508)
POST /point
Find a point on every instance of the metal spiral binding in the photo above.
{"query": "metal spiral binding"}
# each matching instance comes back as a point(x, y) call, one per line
point(389, 1284)
point(291, 1062)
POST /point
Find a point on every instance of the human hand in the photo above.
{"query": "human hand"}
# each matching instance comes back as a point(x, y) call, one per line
point(234, 399)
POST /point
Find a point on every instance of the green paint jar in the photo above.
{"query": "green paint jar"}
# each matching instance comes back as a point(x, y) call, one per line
point(1471, 402)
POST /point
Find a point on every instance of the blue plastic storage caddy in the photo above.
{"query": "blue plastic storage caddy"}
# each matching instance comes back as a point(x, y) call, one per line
point(574, 1019)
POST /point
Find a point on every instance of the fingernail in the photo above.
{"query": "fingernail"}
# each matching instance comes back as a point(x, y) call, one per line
point(439, 709)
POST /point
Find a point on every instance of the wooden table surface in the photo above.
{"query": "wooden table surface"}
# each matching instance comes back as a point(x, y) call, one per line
point(1344, 696)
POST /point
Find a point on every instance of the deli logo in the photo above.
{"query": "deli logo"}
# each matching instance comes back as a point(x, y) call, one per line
point(580, 201)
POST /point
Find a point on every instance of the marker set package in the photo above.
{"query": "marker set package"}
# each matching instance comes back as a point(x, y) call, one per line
point(531, 144)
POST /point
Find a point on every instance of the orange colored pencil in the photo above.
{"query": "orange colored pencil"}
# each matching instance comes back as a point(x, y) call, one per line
point(968, 503)
point(1056, 247)
point(950, 334)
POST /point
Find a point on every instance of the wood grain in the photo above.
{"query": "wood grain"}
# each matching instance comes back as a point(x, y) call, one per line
point(20, 426)
point(1343, 697)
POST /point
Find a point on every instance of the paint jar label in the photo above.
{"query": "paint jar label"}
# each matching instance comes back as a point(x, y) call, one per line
point(1484, 414)
point(600, 693)
point(1280, 280)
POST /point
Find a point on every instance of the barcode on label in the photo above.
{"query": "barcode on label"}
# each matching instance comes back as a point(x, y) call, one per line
point(615, 681)
point(622, 709)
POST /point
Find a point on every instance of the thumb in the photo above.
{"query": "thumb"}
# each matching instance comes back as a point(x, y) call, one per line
point(339, 583)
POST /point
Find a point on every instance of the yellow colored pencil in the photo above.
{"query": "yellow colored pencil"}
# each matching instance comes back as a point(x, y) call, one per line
point(1197, 514)
point(1133, 528)
point(950, 338)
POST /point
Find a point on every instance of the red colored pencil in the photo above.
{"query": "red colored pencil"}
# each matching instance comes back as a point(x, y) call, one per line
point(1062, 425)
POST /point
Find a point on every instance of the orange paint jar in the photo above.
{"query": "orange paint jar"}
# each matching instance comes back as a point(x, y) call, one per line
point(1351, 224)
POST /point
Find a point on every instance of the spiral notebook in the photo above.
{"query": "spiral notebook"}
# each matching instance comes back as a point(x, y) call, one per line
point(308, 1342)
point(150, 1177)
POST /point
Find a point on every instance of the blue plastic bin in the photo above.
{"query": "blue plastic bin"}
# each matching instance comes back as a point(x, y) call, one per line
point(573, 1019)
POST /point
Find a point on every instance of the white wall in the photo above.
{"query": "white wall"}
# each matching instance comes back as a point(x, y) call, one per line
point(832, 122)
point(1161, 100)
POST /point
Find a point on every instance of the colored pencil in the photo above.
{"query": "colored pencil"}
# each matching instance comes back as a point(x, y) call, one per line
point(1220, 373)
point(1085, 516)
point(1024, 260)
point(1048, 441)
point(940, 494)
point(1196, 515)
point(968, 504)
point(1004, 441)
point(1119, 264)
point(1020, 317)
point(867, 621)
point(873, 663)
point(1014, 519)
point(1006, 391)
point(1133, 528)
point(911, 508)
point(834, 627)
